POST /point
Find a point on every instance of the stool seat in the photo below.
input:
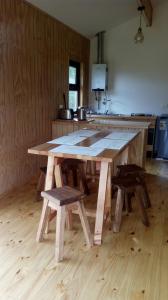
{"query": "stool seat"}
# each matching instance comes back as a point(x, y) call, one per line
point(63, 195)
point(125, 182)
point(130, 168)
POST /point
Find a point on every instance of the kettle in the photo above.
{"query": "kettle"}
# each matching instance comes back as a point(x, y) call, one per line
point(81, 113)
point(65, 113)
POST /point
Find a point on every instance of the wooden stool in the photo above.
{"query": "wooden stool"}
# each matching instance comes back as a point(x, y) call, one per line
point(41, 182)
point(125, 185)
point(68, 165)
point(60, 199)
point(137, 172)
point(76, 166)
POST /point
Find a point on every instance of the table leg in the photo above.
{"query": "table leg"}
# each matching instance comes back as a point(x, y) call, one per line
point(59, 183)
point(58, 174)
point(93, 170)
point(108, 194)
point(133, 151)
point(142, 153)
point(101, 202)
point(125, 156)
point(45, 209)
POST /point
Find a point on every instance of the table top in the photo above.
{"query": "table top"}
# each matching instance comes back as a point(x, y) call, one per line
point(95, 145)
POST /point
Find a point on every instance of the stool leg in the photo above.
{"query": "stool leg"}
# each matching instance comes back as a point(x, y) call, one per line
point(41, 182)
point(147, 201)
point(128, 202)
point(74, 177)
point(65, 178)
point(40, 185)
point(69, 219)
point(88, 167)
point(85, 166)
point(93, 170)
point(145, 220)
point(60, 226)
point(114, 190)
point(83, 179)
point(84, 222)
point(118, 211)
point(43, 221)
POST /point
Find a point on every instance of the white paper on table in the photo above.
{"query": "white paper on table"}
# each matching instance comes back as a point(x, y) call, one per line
point(109, 144)
point(120, 135)
point(76, 150)
point(83, 132)
point(68, 140)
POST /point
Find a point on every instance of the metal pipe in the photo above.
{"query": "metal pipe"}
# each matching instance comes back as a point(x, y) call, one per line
point(100, 47)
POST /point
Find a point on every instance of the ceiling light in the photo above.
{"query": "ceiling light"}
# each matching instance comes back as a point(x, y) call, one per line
point(139, 37)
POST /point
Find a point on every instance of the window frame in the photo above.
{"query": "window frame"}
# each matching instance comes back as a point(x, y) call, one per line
point(75, 87)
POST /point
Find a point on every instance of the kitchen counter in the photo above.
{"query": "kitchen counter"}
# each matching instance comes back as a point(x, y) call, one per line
point(108, 121)
point(72, 121)
point(151, 119)
point(94, 115)
point(121, 123)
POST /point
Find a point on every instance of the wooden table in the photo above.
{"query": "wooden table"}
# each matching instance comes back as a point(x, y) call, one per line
point(107, 158)
point(64, 127)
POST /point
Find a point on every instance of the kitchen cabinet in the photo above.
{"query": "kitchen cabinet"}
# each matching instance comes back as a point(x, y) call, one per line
point(63, 127)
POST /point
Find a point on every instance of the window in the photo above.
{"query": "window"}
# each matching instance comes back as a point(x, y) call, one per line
point(74, 84)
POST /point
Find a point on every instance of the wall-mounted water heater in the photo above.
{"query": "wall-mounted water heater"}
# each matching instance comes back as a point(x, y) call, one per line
point(99, 70)
point(99, 77)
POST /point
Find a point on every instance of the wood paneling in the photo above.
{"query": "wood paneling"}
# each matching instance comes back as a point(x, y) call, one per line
point(34, 54)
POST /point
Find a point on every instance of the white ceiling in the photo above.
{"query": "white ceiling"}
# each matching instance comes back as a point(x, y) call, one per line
point(91, 16)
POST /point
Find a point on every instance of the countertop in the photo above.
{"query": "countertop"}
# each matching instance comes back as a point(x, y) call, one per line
point(103, 122)
point(73, 121)
point(120, 116)
point(121, 123)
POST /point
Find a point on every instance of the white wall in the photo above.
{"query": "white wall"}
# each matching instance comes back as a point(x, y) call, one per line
point(137, 73)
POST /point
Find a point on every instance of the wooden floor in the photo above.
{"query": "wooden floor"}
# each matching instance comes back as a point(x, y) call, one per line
point(131, 265)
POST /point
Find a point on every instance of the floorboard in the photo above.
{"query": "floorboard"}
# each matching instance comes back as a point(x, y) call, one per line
point(130, 265)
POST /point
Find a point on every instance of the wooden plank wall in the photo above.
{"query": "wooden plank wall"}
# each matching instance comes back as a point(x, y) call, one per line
point(34, 55)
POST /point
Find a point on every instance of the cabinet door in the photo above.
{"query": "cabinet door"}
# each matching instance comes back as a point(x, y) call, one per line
point(83, 125)
point(61, 128)
point(76, 127)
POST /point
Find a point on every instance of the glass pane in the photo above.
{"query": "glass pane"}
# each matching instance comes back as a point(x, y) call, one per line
point(73, 100)
point(72, 75)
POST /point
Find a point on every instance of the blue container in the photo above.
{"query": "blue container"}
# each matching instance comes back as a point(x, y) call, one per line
point(161, 138)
